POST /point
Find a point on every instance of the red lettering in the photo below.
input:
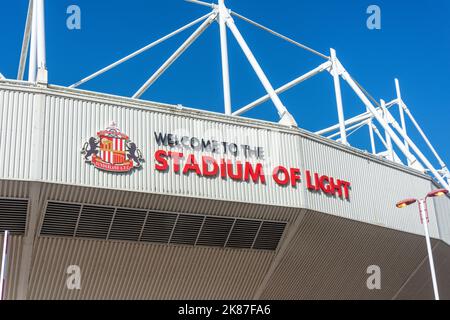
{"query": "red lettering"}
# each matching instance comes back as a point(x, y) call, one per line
point(295, 176)
point(161, 161)
point(235, 176)
point(317, 180)
point(256, 174)
point(223, 169)
point(176, 156)
point(206, 161)
point(309, 185)
point(336, 187)
point(346, 186)
point(191, 165)
point(276, 176)
point(325, 184)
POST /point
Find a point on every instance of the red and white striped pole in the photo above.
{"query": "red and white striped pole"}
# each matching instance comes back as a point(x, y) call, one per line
point(3, 267)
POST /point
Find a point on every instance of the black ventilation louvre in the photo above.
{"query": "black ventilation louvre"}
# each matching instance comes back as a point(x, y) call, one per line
point(94, 222)
point(158, 227)
point(215, 232)
point(60, 219)
point(13, 215)
point(243, 233)
point(269, 235)
point(110, 223)
point(186, 230)
point(127, 224)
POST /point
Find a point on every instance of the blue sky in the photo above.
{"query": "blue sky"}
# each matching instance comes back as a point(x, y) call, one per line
point(413, 45)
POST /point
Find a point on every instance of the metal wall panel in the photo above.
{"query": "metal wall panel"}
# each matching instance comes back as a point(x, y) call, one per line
point(15, 133)
point(442, 207)
point(14, 258)
point(347, 248)
point(72, 116)
point(126, 270)
point(71, 122)
point(375, 189)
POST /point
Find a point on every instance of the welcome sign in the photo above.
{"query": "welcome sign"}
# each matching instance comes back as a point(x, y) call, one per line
point(176, 154)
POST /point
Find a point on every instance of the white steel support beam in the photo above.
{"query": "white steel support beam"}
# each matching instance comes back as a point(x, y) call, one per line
point(202, 3)
point(393, 135)
point(380, 136)
point(386, 133)
point(287, 86)
point(175, 55)
point(42, 76)
point(137, 52)
point(401, 110)
point(335, 72)
point(413, 120)
point(285, 116)
point(223, 17)
point(32, 64)
point(25, 42)
point(358, 118)
point(372, 138)
point(355, 126)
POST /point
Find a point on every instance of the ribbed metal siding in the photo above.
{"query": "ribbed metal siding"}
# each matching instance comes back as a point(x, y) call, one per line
point(136, 200)
point(375, 189)
point(70, 122)
point(442, 208)
point(14, 258)
point(15, 134)
point(125, 270)
point(329, 256)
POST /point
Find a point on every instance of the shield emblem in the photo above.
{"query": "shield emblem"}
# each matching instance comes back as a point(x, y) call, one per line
point(111, 151)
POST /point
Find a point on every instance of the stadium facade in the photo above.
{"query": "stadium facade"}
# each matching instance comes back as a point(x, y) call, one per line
point(156, 201)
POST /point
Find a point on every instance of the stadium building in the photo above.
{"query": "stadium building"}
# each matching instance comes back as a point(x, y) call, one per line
point(158, 201)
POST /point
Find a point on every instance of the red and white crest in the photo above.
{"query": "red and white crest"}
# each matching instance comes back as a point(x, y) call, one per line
point(112, 150)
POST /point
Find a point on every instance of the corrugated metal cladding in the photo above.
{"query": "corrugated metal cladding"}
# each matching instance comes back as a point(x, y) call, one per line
point(14, 259)
point(347, 248)
point(72, 121)
point(130, 270)
point(375, 189)
point(15, 133)
point(72, 117)
point(112, 223)
point(127, 270)
point(442, 208)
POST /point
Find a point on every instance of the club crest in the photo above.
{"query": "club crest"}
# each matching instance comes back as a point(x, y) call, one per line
point(112, 150)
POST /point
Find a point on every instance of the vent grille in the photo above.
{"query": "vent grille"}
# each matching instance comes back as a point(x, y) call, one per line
point(186, 230)
point(158, 227)
point(94, 222)
point(127, 224)
point(109, 223)
point(60, 219)
point(13, 215)
point(269, 235)
point(243, 234)
point(215, 232)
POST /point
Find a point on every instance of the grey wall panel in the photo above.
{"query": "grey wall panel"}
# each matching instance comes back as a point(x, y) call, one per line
point(15, 244)
point(15, 133)
point(14, 189)
point(72, 117)
point(329, 257)
point(125, 270)
point(71, 122)
point(375, 189)
point(442, 205)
